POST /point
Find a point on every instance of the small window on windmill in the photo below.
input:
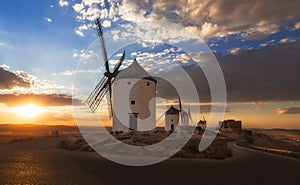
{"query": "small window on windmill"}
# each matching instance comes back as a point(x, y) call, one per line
point(132, 102)
point(172, 120)
point(128, 83)
point(148, 83)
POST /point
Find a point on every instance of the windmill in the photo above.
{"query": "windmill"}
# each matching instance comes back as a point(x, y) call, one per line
point(190, 114)
point(185, 116)
point(104, 87)
point(175, 117)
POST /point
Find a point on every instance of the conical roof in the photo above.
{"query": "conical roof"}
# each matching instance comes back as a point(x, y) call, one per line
point(172, 110)
point(135, 70)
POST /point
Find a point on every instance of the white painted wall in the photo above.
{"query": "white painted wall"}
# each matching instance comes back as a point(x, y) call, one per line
point(143, 92)
point(185, 121)
point(171, 119)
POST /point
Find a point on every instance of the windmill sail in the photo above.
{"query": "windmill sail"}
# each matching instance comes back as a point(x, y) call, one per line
point(102, 42)
point(96, 96)
point(104, 87)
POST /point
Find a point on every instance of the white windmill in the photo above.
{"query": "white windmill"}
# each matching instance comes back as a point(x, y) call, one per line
point(115, 85)
point(175, 117)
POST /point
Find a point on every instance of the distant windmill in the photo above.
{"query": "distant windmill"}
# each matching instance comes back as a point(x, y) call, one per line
point(104, 87)
point(173, 117)
point(185, 116)
point(190, 114)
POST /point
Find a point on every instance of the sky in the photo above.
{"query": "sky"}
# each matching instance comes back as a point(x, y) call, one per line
point(256, 43)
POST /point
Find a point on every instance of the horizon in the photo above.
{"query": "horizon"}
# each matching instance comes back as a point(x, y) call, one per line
point(37, 124)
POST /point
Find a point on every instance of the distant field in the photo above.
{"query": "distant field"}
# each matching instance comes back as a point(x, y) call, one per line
point(279, 141)
point(289, 136)
point(13, 132)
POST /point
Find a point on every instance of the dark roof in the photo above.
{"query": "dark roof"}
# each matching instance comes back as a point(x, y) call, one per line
point(172, 110)
point(135, 71)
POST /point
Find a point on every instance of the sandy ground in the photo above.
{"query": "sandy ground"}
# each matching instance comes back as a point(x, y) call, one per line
point(39, 161)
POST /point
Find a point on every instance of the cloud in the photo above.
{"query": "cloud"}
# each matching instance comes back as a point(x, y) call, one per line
point(4, 66)
point(83, 55)
point(79, 32)
point(261, 30)
point(39, 99)
point(287, 40)
point(78, 7)
point(289, 110)
point(296, 27)
point(219, 18)
point(208, 30)
point(90, 10)
point(106, 23)
point(234, 50)
point(68, 73)
point(48, 19)
point(263, 44)
point(10, 79)
point(63, 3)
point(213, 45)
point(3, 44)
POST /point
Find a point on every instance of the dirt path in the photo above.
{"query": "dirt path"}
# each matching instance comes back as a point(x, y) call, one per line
point(39, 161)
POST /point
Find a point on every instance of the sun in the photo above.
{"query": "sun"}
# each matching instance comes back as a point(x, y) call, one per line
point(30, 110)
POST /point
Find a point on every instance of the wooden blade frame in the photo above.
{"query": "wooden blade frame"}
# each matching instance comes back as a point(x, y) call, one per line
point(102, 43)
point(98, 93)
point(104, 87)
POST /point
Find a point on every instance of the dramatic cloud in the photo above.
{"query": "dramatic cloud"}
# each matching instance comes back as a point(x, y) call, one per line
point(229, 17)
point(10, 79)
point(251, 19)
point(21, 82)
point(289, 110)
point(38, 99)
point(262, 75)
point(269, 73)
point(266, 74)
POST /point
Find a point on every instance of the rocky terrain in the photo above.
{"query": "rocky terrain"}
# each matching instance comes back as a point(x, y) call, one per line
point(217, 150)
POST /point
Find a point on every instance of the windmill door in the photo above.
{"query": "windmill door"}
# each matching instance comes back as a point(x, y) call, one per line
point(172, 127)
point(133, 121)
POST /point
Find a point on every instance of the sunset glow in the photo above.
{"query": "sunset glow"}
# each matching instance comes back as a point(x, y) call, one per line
point(30, 110)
